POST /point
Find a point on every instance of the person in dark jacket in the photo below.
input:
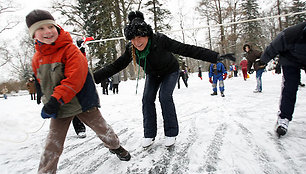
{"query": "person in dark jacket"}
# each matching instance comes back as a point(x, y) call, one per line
point(184, 75)
point(153, 52)
point(200, 73)
point(253, 57)
point(290, 45)
point(115, 81)
point(104, 85)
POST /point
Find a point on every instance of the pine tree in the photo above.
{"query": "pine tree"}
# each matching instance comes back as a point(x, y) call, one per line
point(251, 30)
point(159, 15)
point(297, 6)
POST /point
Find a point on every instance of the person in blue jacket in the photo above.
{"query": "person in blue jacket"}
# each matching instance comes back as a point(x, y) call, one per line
point(217, 72)
point(290, 45)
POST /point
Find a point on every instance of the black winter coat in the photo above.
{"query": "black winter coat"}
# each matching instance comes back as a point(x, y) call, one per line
point(290, 45)
point(160, 60)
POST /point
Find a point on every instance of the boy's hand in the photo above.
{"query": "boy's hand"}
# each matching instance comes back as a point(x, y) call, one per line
point(50, 109)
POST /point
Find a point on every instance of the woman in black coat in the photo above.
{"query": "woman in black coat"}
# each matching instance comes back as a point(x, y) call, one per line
point(153, 52)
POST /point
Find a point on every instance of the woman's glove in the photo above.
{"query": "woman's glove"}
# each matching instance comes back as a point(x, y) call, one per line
point(229, 56)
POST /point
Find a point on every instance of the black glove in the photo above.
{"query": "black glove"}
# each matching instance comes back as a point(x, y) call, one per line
point(50, 109)
point(38, 90)
point(229, 56)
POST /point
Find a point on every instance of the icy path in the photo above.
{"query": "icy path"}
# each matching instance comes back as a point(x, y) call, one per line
point(234, 134)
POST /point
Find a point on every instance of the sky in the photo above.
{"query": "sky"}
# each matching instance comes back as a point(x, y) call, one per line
point(220, 135)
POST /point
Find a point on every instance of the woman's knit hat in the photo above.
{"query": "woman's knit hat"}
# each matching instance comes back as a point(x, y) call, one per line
point(137, 26)
point(36, 18)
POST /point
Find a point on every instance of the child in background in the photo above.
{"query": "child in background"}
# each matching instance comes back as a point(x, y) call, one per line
point(217, 72)
point(244, 67)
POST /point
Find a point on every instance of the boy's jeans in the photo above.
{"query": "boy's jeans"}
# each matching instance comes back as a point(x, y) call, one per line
point(57, 135)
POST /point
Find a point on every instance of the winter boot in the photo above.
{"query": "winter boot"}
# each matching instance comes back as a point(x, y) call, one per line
point(256, 91)
point(121, 153)
point(214, 93)
point(146, 142)
point(222, 94)
point(282, 126)
point(81, 135)
point(169, 141)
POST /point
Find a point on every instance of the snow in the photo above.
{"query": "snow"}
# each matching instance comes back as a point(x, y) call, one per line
point(234, 134)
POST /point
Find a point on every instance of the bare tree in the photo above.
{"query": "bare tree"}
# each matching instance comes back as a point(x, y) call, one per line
point(214, 10)
point(23, 57)
point(6, 6)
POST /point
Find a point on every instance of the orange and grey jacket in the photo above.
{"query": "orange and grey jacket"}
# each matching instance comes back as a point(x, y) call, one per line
point(62, 71)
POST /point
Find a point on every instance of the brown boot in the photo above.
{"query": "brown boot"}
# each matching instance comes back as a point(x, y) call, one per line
point(214, 93)
point(121, 153)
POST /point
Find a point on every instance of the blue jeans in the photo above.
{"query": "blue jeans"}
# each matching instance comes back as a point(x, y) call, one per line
point(166, 86)
point(258, 79)
point(215, 81)
point(291, 80)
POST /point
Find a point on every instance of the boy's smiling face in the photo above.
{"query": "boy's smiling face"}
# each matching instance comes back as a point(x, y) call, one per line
point(46, 33)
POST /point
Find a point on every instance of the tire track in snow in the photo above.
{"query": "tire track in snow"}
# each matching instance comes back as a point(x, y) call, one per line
point(174, 159)
point(181, 160)
point(213, 150)
point(263, 158)
point(281, 149)
point(70, 161)
point(90, 152)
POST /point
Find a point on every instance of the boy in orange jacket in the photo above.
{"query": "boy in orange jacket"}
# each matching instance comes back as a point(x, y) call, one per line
point(68, 89)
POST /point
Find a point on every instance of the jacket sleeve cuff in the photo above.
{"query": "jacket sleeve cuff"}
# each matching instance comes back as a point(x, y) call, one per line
point(58, 98)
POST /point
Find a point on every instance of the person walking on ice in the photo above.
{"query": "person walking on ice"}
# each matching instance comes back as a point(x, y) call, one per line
point(154, 53)
point(68, 89)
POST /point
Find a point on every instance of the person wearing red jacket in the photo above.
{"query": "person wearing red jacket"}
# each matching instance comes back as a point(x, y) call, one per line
point(67, 89)
point(244, 67)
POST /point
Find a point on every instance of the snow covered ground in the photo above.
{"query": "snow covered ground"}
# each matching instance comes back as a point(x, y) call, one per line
point(234, 134)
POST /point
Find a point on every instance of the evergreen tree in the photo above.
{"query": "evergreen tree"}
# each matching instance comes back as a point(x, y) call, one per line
point(251, 31)
point(297, 6)
point(159, 15)
point(99, 24)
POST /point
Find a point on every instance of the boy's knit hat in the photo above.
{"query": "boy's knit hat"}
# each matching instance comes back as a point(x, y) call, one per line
point(137, 26)
point(36, 18)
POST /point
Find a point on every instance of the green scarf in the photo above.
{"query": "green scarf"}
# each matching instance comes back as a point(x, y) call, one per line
point(143, 55)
